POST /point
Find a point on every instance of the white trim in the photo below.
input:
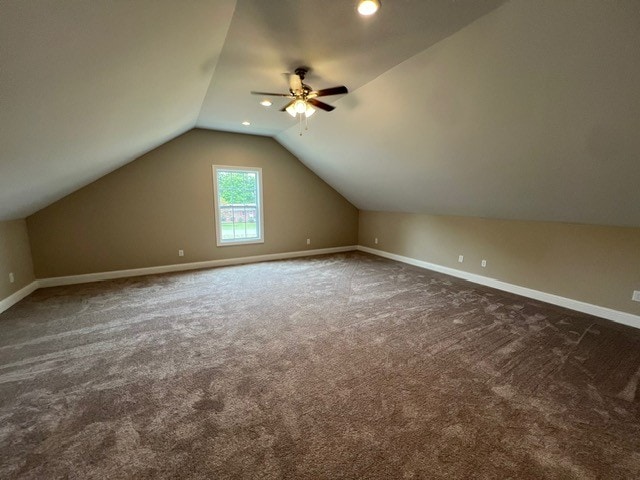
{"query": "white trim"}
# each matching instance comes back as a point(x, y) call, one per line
point(216, 205)
point(134, 272)
point(14, 298)
point(604, 312)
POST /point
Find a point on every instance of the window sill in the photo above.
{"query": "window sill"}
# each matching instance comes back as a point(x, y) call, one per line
point(239, 242)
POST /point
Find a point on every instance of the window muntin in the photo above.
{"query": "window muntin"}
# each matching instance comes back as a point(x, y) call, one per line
point(238, 205)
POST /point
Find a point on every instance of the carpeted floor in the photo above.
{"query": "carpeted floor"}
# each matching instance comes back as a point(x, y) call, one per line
point(336, 367)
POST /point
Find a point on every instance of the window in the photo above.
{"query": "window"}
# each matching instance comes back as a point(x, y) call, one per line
point(238, 203)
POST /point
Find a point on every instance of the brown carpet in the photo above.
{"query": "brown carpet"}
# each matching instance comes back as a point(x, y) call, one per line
point(343, 366)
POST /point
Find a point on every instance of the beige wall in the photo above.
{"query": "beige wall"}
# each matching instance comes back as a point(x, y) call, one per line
point(141, 214)
point(15, 257)
point(594, 264)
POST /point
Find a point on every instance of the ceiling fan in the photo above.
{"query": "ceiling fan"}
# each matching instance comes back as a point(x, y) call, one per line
point(303, 97)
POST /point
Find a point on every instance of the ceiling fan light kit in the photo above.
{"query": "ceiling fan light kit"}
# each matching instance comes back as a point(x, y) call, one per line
point(300, 107)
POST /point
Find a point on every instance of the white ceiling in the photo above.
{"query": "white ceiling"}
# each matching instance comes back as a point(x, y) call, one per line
point(267, 39)
point(524, 110)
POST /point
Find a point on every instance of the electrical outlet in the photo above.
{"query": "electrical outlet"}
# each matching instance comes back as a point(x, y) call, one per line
point(460, 258)
point(636, 296)
point(308, 241)
point(13, 279)
point(181, 253)
point(483, 263)
point(375, 240)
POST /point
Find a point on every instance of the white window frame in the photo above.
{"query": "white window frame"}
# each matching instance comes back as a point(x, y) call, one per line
point(217, 217)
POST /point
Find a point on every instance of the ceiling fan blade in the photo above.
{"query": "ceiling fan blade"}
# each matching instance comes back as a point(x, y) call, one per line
point(332, 91)
point(321, 105)
point(272, 94)
point(295, 84)
point(284, 109)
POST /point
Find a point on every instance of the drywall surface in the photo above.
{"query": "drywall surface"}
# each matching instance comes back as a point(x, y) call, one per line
point(15, 257)
point(141, 214)
point(599, 265)
point(529, 113)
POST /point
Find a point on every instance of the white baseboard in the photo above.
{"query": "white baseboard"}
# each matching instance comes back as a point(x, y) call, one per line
point(14, 298)
point(135, 272)
point(598, 311)
point(179, 267)
point(604, 312)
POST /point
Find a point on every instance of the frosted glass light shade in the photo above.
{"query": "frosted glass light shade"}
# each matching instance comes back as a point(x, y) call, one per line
point(300, 106)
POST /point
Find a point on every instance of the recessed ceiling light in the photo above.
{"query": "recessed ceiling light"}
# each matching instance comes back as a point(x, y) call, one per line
point(368, 7)
point(266, 103)
point(246, 124)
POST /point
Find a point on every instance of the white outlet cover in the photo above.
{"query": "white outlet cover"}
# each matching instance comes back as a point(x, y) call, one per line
point(308, 241)
point(636, 296)
point(375, 240)
point(483, 263)
point(181, 253)
point(460, 258)
point(11, 278)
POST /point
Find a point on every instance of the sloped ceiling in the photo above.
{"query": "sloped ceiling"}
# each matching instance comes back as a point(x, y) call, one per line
point(517, 109)
point(87, 86)
point(532, 112)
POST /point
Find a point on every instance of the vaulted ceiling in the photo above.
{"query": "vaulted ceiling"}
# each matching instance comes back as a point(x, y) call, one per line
point(492, 108)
